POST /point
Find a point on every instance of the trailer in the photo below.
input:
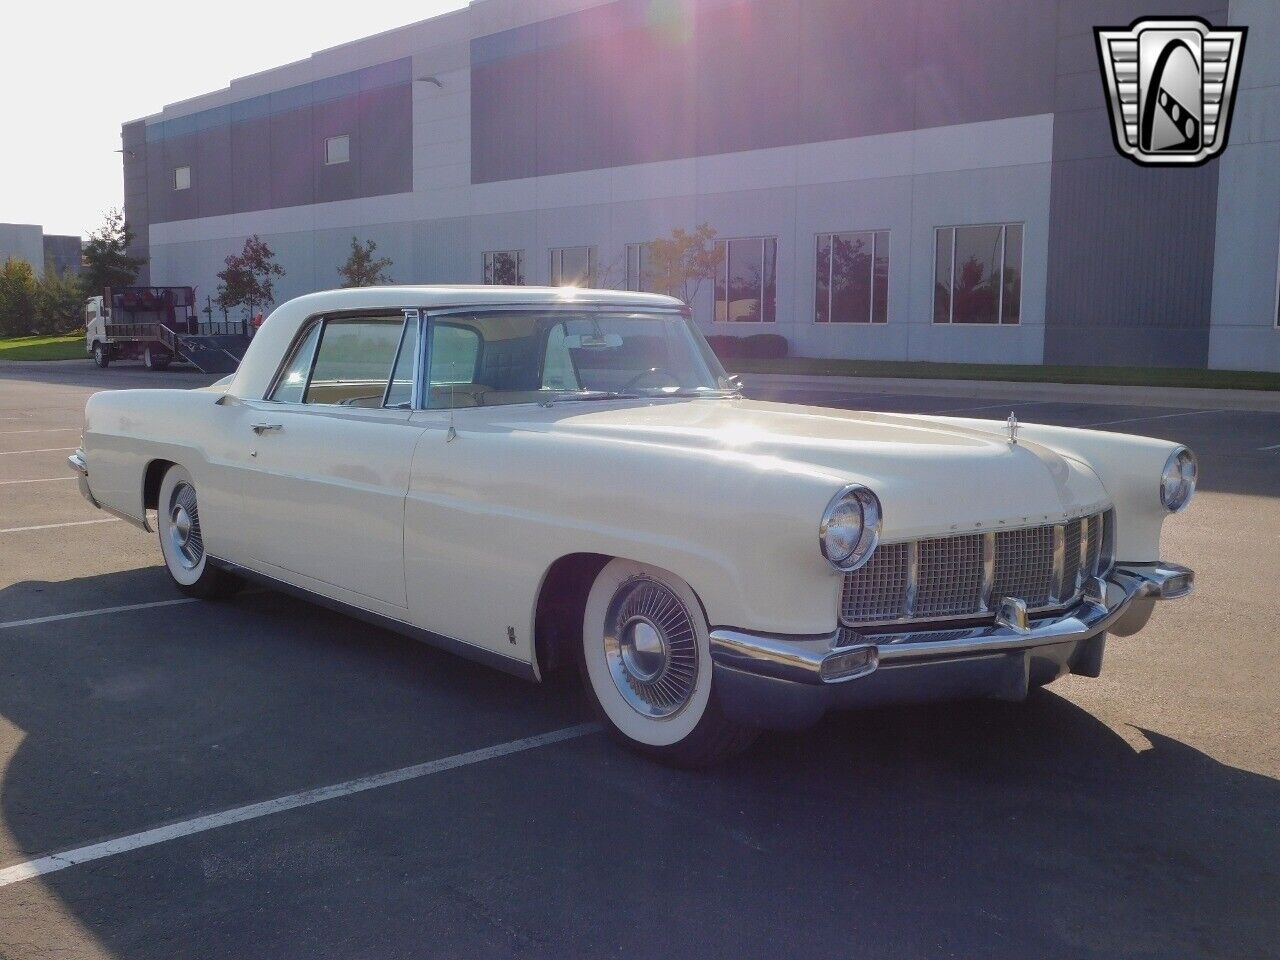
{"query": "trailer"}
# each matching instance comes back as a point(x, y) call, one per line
point(159, 326)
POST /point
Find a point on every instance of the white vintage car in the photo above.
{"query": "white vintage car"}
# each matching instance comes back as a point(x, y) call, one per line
point(533, 477)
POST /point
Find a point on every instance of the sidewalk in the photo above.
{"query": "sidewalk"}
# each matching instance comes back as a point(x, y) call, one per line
point(1182, 397)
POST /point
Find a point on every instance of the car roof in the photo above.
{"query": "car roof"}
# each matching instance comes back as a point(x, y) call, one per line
point(277, 332)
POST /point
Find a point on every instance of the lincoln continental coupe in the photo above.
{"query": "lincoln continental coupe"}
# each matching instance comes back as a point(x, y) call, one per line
point(537, 478)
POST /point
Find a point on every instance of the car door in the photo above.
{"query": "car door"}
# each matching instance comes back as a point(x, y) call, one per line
point(328, 456)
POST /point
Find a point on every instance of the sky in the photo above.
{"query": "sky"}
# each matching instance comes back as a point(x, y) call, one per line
point(72, 72)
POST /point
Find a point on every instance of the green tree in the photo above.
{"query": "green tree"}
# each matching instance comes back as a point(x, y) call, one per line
point(59, 302)
point(362, 269)
point(248, 280)
point(106, 258)
point(17, 298)
point(680, 262)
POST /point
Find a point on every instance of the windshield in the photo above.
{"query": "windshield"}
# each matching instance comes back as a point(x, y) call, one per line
point(543, 356)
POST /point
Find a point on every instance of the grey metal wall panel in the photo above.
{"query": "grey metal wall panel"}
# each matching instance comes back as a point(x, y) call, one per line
point(613, 85)
point(267, 152)
point(133, 141)
point(1130, 248)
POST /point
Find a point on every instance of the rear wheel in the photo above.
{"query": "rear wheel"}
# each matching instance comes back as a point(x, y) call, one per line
point(155, 359)
point(646, 660)
point(182, 540)
point(101, 355)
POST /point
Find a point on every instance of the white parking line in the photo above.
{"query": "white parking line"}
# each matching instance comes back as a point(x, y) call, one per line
point(5, 483)
point(10, 433)
point(10, 453)
point(1006, 405)
point(100, 611)
point(1274, 446)
point(1160, 416)
point(54, 526)
point(149, 838)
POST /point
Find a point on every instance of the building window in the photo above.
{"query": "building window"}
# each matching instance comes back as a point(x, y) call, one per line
point(504, 267)
point(977, 274)
point(337, 149)
point(182, 178)
point(852, 284)
point(572, 266)
point(747, 280)
point(640, 274)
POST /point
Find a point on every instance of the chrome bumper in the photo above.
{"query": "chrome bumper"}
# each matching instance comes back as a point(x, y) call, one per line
point(77, 463)
point(790, 681)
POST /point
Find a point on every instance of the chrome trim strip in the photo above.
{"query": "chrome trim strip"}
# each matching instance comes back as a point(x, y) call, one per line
point(798, 658)
point(1059, 562)
point(988, 569)
point(913, 580)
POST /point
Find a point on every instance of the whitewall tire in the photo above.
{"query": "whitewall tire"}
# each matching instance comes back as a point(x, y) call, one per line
point(646, 660)
point(182, 539)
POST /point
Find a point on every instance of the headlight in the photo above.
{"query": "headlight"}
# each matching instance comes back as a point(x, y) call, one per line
point(850, 527)
point(1178, 481)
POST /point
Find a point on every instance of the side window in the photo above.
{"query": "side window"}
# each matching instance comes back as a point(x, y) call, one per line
point(400, 393)
point(293, 381)
point(353, 362)
point(454, 352)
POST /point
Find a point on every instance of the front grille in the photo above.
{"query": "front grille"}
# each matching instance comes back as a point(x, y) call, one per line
point(967, 575)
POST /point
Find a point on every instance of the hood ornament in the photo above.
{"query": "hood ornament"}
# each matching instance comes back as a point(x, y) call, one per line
point(1012, 424)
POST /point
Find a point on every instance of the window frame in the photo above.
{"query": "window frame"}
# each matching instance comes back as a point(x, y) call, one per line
point(328, 162)
point(951, 321)
point(638, 250)
point(723, 271)
point(486, 264)
point(177, 181)
point(560, 251)
point(871, 298)
point(415, 315)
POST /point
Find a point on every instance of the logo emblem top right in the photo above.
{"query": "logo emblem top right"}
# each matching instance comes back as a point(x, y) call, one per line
point(1170, 84)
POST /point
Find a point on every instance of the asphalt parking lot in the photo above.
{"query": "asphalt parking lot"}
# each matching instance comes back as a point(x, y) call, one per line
point(1137, 815)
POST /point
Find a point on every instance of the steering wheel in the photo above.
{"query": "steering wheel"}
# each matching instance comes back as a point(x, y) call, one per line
point(652, 371)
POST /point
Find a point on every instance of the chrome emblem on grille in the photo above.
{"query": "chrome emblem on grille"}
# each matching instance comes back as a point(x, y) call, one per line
point(1170, 84)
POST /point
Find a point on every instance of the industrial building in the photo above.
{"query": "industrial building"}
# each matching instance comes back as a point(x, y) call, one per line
point(29, 242)
point(889, 179)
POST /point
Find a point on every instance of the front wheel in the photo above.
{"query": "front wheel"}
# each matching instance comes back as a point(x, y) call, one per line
point(182, 540)
point(646, 660)
point(101, 356)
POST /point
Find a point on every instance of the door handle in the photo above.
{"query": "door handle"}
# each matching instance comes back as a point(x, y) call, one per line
point(261, 428)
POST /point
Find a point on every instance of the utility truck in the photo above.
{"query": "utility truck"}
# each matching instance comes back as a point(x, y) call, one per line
point(160, 325)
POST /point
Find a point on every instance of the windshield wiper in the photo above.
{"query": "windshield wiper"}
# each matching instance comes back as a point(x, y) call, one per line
point(560, 395)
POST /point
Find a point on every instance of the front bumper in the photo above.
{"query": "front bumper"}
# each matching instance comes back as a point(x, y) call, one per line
point(788, 682)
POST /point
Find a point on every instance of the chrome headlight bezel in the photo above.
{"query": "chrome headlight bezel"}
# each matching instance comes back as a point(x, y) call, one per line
point(1178, 480)
point(854, 500)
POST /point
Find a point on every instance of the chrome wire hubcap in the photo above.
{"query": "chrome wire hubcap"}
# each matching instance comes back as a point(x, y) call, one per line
point(651, 648)
point(184, 526)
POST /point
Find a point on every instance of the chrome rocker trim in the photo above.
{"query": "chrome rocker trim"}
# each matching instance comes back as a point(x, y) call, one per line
point(785, 681)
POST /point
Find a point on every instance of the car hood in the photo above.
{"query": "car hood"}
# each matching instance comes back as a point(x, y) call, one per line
point(934, 475)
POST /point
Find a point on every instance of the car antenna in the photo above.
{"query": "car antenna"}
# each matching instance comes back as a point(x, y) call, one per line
point(452, 434)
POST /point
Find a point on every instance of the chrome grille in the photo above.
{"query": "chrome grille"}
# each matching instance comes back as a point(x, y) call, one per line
point(950, 576)
point(965, 576)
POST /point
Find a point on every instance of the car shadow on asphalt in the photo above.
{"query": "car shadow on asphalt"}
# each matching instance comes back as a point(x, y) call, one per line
point(978, 829)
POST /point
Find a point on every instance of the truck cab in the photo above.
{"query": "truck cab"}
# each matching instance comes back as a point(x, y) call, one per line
point(96, 317)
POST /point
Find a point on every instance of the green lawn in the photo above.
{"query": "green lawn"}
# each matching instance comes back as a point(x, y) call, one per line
point(1126, 376)
point(43, 348)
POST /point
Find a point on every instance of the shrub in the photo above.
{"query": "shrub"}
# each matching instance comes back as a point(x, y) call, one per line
point(764, 346)
point(17, 298)
point(724, 346)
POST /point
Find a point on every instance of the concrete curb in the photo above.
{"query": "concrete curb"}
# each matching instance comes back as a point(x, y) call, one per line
point(1184, 397)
